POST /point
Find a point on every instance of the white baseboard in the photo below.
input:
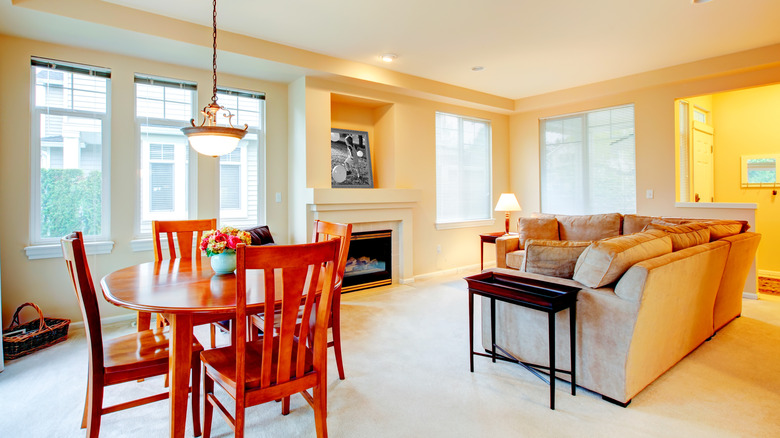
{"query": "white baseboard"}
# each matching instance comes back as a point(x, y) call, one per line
point(749, 296)
point(109, 320)
point(770, 274)
point(462, 270)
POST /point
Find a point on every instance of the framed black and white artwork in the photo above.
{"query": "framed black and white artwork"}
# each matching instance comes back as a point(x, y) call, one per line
point(350, 159)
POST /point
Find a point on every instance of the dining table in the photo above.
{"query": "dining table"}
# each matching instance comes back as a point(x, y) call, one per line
point(188, 293)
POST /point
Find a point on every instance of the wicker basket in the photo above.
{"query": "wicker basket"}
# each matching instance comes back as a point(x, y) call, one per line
point(35, 335)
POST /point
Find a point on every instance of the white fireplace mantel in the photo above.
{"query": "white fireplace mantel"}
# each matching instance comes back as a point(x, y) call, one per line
point(365, 206)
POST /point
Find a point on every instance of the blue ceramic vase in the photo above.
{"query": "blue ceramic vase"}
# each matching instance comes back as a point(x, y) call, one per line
point(223, 263)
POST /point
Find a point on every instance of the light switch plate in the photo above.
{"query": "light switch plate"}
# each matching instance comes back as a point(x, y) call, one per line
point(649, 194)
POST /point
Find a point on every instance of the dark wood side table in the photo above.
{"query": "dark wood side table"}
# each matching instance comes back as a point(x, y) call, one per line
point(483, 239)
point(533, 294)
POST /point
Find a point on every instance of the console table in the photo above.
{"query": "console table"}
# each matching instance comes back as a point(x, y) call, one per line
point(533, 294)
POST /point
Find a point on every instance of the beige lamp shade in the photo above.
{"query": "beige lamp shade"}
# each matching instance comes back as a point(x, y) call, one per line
point(507, 202)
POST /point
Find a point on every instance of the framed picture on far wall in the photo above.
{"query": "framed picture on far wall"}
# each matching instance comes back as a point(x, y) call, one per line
point(350, 159)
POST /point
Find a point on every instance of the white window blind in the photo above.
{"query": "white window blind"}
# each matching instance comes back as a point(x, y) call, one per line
point(588, 162)
point(163, 107)
point(463, 169)
point(242, 172)
point(70, 150)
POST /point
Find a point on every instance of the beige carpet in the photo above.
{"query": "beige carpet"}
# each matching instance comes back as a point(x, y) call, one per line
point(406, 360)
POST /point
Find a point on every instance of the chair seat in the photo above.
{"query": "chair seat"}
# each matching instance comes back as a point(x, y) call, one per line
point(145, 348)
point(221, 362)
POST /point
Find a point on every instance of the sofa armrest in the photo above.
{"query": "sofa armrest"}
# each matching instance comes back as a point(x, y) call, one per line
point(505, 244)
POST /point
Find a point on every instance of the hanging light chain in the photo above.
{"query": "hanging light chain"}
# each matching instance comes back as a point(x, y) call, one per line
point(214, 95)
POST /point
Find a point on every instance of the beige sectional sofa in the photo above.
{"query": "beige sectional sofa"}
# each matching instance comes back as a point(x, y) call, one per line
point(647, 298)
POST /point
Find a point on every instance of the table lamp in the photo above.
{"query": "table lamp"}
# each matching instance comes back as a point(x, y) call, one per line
point(507, 202)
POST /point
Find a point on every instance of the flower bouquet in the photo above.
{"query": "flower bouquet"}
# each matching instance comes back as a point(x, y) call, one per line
point(220, 245)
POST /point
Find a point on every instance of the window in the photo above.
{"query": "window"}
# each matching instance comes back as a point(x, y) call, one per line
point(241, 172)
point(588, 162)
point(463, 171)
point(163, 107)
point(70, 151)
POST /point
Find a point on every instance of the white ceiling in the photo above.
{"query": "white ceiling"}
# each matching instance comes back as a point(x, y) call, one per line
point(527, 47)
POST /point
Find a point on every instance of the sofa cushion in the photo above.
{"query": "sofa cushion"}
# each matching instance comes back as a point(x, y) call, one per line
point(603, 262)
point(261, 235)
point(556, 258)
point(683, 235)
point(514, 259)
point(723, 228)
point(589, 227)
point(633, 223)
point(537, 228)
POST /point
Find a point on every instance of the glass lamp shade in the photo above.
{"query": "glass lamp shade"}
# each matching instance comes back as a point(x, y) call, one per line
point(214, 140)
point(508, 202)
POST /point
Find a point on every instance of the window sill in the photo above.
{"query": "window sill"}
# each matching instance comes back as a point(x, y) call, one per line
point(36, 252)
point(139, 245)
point(465, 224)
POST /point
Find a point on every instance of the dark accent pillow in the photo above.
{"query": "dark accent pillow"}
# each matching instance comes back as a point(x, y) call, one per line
point(261, 235)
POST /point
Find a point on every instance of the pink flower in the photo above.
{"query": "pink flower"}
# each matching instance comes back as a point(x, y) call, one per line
point(219, 237)
point(233, 241)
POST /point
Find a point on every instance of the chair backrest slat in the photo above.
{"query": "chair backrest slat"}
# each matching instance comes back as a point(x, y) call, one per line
point(183, 232)
point(76, 261)
point(291, 274)
point(328, 230)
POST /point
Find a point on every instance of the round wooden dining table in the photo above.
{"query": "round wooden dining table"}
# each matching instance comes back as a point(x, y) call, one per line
point(188, 293)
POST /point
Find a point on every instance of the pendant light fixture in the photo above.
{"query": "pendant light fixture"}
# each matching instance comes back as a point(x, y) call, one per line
point(208, 138)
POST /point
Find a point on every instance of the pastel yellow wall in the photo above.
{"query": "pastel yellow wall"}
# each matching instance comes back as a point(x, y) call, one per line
point(403, 155)
point(46, 281)
point(746, 123)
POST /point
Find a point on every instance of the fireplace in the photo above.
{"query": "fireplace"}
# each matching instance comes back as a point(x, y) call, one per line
point(369, 260)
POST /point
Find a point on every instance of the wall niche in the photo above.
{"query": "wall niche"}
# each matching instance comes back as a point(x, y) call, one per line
point(378, 119)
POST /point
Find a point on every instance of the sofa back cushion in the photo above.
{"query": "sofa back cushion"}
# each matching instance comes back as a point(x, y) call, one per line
point(589, 227)
point(556, 258)
point(603, 262)
point(683, 235)
point(544, 227)
point(633, 223)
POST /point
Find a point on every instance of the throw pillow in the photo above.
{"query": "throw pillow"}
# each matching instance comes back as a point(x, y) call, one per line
point(261, 235)
point(556, 258)
point(604, 261)
point(537, 228)
point(684, 235)
point(720, 228)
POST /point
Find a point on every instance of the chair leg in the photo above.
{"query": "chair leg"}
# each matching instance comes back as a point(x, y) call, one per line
point(213, 333)
point(94, 407)
point(208, 409)
point(195, 384)
point(240, 417)
point(142, 321)
point(320, 407)
point(286, 405)
point(336, 330)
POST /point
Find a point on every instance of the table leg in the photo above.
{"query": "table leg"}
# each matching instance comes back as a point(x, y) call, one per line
point(573, 342)
point(481, 255)
point(471, 330)
point(551, 332)
point(180, 361)
point(493, 327)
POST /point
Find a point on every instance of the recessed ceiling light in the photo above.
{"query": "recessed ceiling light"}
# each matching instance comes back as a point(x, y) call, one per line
point(388, 57)
point(699, 2)
point(477, 68)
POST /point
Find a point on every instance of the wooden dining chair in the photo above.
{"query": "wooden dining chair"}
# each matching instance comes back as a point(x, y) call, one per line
point(183, 231)
point(325, 231)
point(289, 359)
point(124, 359)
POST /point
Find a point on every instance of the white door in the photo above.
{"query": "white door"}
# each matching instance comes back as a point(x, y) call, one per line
point(703, 182)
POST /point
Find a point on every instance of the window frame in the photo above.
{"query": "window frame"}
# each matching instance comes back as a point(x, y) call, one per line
point(141, 240)
point(445, 224)
point(49, 247)
point(241, 217)
point(585, 167)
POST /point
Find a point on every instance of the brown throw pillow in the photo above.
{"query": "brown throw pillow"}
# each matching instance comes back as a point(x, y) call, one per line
point(605, 261)
point(556, 258)
point(261, 235)
point(537, 228)
point(724, 228)
point(684, 235)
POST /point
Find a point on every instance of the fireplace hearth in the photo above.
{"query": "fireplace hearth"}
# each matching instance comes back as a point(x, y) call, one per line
point(369, 260)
